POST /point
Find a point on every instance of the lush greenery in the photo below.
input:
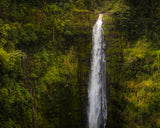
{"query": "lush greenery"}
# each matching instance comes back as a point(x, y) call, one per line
point(45, 49)
point(132, 37)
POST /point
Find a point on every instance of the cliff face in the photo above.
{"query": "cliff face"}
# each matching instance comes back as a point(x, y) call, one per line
point(114, 57)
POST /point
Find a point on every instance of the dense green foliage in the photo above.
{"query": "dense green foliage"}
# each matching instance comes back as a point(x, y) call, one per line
point(42, 61)
point(45, 49)
point(132, 37)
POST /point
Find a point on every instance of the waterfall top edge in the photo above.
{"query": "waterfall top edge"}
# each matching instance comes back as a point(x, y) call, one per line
point(100, 16)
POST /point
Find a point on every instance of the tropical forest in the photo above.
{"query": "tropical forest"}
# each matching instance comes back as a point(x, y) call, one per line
point(79, 63)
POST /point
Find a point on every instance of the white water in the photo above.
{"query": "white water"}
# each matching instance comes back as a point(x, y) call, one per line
point(97, 109)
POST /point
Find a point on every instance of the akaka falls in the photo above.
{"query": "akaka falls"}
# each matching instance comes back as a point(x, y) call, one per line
point(97, 109)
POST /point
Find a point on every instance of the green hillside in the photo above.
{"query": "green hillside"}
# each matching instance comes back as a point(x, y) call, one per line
point(45, 52)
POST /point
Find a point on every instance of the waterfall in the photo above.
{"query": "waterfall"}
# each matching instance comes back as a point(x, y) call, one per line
point(97, 109)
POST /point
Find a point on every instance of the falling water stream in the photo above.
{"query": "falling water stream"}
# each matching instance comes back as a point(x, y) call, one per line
point(97, 109)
